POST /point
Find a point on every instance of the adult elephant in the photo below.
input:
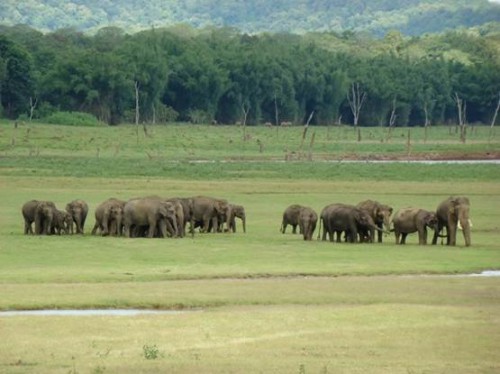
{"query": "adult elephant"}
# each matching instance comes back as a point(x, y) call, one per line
point(187, 208)
point(291, 217)
point(78, 210)
point(449, 213)
point(380, 213)
point(207, 212)
point(150, 213)
point(236, 211)
point(344, 218)
point(308, 219)
point(410, 220)
point(179, 217)
point(109, 217)
point(39, 212)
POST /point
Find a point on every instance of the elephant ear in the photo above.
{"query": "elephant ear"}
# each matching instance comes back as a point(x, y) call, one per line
point(68, 208)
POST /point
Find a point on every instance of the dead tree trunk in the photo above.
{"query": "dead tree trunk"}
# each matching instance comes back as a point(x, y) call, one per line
point(136, 87)
point(304, 133)
point(495, 115)
point(244, 123)
point(427, 121)
point(356, 98)
point(461, 108)
point(32, 107)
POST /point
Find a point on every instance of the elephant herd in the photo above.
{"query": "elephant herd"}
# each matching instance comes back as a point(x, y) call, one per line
point(358, 223)
point(150, 216)
point(154, 216)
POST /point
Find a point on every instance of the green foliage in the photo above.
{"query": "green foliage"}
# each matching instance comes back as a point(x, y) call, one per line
point(150, 352)
point(375, 16)
point(181, 74)
point(72, 119)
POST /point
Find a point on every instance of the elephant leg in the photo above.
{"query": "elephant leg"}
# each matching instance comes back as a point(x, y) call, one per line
point(397, 235)
point(294, 229)
point(379, 233)
point(452, 235)
point(27, 227)
point(403, 237)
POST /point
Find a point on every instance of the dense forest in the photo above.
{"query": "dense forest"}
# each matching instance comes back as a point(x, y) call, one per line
point(220, 74)
point(376, 17)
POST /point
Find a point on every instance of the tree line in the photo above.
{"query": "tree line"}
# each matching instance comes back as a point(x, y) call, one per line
point(224, 76)
point(411, 17)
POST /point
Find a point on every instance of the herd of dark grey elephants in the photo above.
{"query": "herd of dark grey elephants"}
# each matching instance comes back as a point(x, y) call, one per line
point(154, 216)
point(354, 223)
point(150, 216)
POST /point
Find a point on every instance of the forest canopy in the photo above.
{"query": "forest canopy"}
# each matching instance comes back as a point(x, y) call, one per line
point(376, 17)
point(222, 75)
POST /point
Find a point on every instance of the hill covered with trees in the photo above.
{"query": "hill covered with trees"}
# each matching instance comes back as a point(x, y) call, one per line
point(185, 74)
point(410, 17)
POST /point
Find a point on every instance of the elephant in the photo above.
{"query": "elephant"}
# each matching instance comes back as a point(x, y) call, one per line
point(151, 213)
point(380, 213)
point(291, 217)
point(410, 220)
point(187, 206)
point(78, 210)
point(236, 211)
point(109, 217)
point(179, 217)
point(339, 218)
point(208, 211)
point(308, 219)
point(450, 212)
point(62, 222)
point(39, 212)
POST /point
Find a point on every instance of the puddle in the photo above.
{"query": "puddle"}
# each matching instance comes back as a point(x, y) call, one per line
point(90, 312)
point(487, 273)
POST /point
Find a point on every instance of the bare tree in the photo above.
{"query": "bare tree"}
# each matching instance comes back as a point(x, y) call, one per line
point(461, 108)
point(356, 97)
point(392, 118)
point(245, 109)
point(136, 86)
point(494, 119)
point(32, 106)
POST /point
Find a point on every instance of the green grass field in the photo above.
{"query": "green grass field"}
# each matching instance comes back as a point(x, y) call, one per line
point(255, 302)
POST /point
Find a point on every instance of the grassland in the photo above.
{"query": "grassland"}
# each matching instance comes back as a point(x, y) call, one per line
point(255, 302)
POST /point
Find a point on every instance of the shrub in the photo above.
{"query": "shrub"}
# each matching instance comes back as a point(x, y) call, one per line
point(72, 119)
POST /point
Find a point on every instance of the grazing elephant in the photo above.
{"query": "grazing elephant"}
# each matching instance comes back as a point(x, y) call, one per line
point(78, 210)
point(236, 211)
point(61, 222)
point(40, 212)
point(380, 213)
point(291, 217)
point(449, 213)
point(308, 219)
point(149, 213)
point(339, 218)
point(109, 217)
point(410, 220)
point(207, 212)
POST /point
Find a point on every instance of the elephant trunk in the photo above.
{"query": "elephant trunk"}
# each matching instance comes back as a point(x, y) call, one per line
point(118, 231)
point(465, 223)
point(243, 222)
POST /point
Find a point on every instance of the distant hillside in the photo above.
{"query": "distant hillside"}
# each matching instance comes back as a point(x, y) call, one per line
point(410, 17)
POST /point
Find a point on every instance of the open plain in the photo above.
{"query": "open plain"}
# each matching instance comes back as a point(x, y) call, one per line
point(259, 301)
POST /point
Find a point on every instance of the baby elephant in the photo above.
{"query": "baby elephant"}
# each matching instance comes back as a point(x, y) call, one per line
point(409, 220)
point(307, 222)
